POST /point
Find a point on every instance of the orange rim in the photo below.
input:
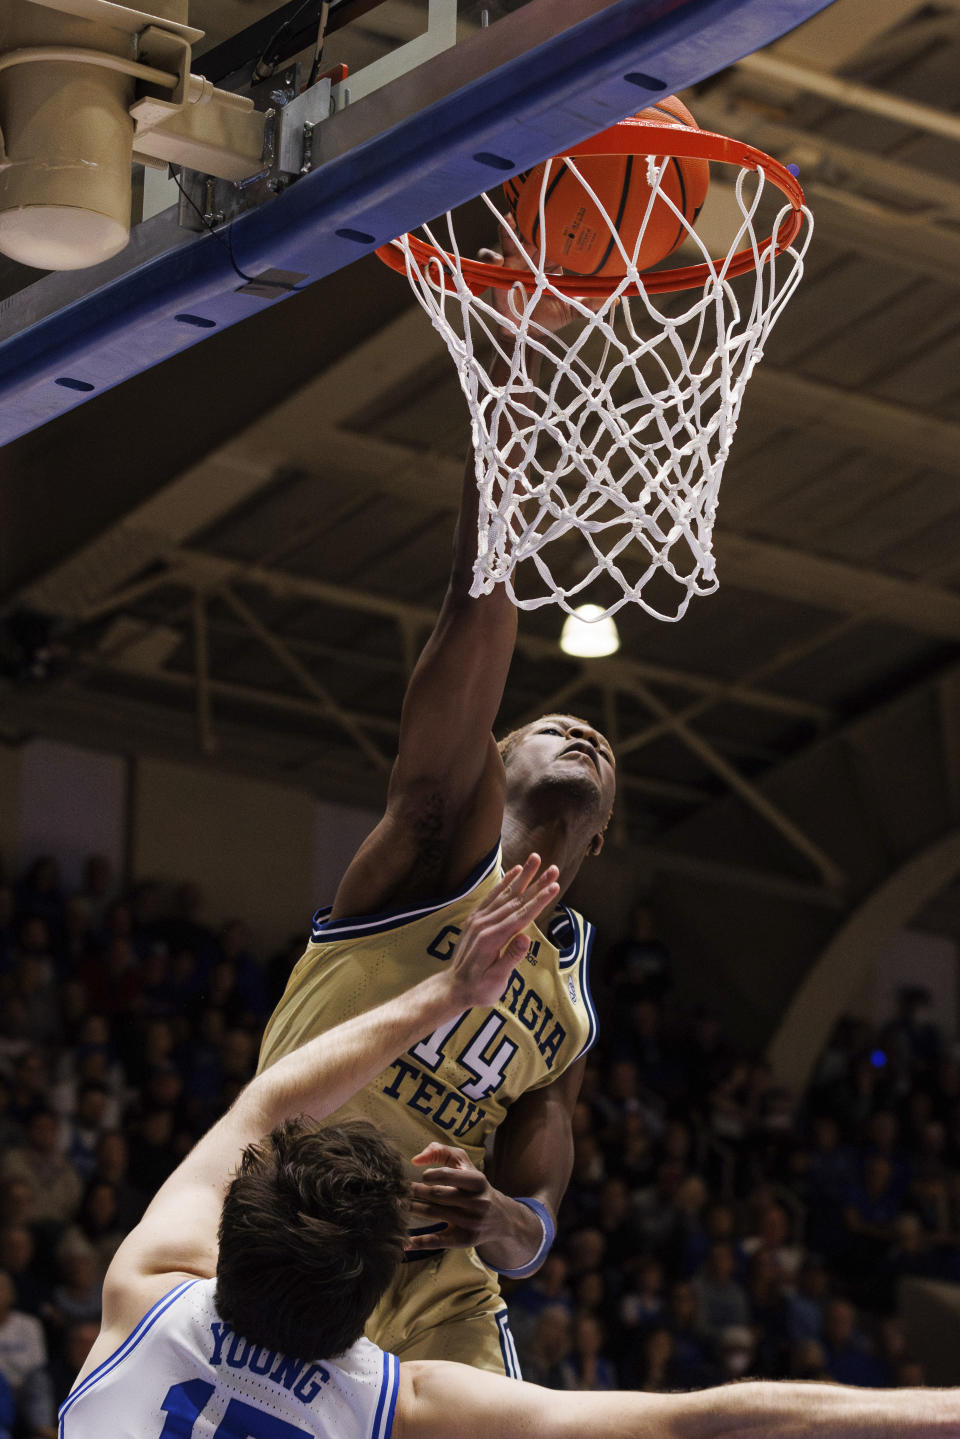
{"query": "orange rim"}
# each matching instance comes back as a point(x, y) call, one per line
point(631, 137)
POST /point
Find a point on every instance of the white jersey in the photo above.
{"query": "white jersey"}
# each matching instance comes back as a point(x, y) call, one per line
point(184, 1374)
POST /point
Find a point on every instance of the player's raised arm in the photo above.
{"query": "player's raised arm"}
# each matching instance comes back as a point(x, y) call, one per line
point(437, 1399)
point(445, 802)
point(456, 688)
point(178, 1234)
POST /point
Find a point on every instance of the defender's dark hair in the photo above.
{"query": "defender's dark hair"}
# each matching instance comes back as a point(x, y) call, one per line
point(311, 1233)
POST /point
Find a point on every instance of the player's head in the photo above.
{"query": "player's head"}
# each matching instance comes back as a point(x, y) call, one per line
point(562, 760)
point(311, 1233)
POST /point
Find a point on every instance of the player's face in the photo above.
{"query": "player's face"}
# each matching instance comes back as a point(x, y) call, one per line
point(561, 750)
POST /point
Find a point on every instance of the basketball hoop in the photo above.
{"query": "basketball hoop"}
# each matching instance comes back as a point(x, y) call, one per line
point(623, 436)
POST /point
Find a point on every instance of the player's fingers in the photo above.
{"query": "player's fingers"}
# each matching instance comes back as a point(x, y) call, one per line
point(514, 950)
point(448, 1238)
point(521, 909)
point(437, 1153)
point(502, 893)
point(514, 882)
point(527, 872)
point(466, 1181)
point(469, 1213)
point(422, 1213)
point(595, 303)
point(426, 1220)
point(434, 1204)
point(505, 910)
point(441, 1204)
point(434, 1197)
point(516, 912)
point(515, 250)
point(503, 937)
point(523, 888)
point(540, 892)
point(535, 903)
point(418, 1205)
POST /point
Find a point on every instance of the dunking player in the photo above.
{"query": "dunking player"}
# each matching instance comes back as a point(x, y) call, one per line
point(235, 1308)
point(515, 1068)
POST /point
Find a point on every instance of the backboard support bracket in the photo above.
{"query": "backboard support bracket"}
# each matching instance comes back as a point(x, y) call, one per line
point(546, 76)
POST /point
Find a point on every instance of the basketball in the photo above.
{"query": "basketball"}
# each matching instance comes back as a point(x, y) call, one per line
point(578, 237)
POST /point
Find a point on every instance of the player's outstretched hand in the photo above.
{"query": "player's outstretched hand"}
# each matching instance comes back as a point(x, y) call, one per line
point(551, 311)
point(492, 941)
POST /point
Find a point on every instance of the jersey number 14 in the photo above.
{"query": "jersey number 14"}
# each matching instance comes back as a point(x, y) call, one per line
point(482, 1056)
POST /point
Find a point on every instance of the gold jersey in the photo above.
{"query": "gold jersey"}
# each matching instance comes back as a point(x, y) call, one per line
point(456, 1084)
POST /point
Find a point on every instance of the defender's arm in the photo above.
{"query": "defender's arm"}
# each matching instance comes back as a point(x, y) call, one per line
point(435, 1398)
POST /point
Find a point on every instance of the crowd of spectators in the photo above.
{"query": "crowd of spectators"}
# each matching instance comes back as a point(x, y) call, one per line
point(714, 1226)
point(718, 1226)
point(127, 1026)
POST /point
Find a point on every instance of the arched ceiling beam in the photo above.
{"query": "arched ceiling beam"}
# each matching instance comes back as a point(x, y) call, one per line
point(838, 975)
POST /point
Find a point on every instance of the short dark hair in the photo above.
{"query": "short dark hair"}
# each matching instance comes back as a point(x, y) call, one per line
point(311, 1233)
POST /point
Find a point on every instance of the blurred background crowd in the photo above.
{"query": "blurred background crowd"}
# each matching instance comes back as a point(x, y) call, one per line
point(715, 1226)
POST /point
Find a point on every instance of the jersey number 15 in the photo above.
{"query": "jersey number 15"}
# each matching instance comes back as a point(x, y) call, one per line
point(184, 1403)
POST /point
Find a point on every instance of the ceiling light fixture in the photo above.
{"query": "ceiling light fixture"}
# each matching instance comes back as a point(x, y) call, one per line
point(587, 635)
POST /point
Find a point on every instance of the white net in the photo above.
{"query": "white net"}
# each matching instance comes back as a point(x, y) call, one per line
point(599, 454)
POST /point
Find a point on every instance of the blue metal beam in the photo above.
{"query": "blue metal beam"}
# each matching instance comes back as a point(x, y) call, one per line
point(572, 85)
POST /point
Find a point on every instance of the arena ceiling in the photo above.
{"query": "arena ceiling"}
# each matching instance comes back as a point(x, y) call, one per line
point(241, 551)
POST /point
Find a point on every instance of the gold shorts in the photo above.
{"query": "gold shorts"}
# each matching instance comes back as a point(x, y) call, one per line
point(446, 1305)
